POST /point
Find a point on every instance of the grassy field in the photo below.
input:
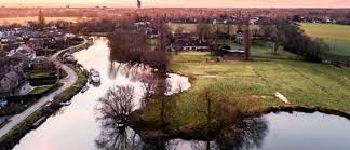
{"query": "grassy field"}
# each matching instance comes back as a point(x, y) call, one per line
point(37, 75)
point(336, 36)
point(303, 83)
point(263, 49)
point(41, 89)
point(327, 31)
point(253, 83)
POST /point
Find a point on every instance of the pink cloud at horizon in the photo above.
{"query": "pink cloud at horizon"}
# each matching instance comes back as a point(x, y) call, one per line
point(189, 3)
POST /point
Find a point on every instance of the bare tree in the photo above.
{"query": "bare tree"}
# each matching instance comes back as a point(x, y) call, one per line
point(205, 32)
point(150, 83)
point(247, 37)
point(274, 34)
point(118, 138)
point(117, 104)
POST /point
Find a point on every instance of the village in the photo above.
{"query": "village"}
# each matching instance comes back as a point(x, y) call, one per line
point(31, 62)
point(27, 51)
point(169, 75)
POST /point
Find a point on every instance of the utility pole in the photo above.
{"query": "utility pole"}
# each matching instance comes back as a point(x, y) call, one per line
point(139, 4)
point(41, 20)
point(246, 34)
point(162, 33)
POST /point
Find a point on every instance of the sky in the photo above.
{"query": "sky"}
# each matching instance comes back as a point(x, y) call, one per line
point(184, 3)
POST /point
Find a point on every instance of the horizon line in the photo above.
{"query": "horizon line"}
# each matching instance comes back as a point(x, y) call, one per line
point(93, 7)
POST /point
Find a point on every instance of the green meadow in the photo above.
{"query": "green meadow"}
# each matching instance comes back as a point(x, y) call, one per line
point(253, 83)
point(336, 36)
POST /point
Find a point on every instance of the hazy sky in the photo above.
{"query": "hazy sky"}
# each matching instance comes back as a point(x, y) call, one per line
point(187, 3)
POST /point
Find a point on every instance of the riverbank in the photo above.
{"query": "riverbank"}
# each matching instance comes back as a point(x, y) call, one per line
point(18, 131)
point(22, 123)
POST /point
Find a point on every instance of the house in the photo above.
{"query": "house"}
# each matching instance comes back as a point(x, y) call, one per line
point(220, 21)
point(36, 44)
point(23, 89)
point(227, 52)
point(26, 49)
point(239, 36)
point(190, 45)
point(183, 35)
point(23, 54)
point(254, 20)
point(330, 20)
point(7, 34)
point(19, 59)
point(3, 104)
point(42, 63)
point(10, 81)
point(142, 24)
point(152, 33)
point(31, 34)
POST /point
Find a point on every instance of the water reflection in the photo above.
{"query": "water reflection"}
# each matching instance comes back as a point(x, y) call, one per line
point(250, 136)
point(180, 144)
point(118, 138)
point(273, 131)
point(116, 109)
point(174, 82)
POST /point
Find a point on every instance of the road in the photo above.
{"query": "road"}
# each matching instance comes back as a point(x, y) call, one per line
point(67, 82)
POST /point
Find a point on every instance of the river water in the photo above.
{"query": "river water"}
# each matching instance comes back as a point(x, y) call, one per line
point(75, 127)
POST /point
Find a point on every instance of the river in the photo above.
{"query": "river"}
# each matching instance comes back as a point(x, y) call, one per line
point(75, 127)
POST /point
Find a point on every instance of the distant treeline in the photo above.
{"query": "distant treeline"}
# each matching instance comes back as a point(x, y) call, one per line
point(289, 35)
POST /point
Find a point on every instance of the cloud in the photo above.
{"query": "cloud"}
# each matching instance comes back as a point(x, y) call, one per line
point(197, 3)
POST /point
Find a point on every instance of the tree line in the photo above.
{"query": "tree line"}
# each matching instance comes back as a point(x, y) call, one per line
point(129, 45)
point(293, 39)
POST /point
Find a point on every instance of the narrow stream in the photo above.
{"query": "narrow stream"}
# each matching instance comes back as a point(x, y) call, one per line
point(75, 127)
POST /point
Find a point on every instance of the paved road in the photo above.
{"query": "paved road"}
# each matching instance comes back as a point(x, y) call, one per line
point(68, 81)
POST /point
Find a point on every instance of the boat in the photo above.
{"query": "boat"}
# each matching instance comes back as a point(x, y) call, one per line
point(94, 76)
point(85, 88)
point(65, 103)
point(38, 122)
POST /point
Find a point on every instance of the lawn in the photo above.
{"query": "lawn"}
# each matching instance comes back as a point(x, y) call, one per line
point(327, 31)
point(253, 83)
point(336, 36)
point(38, 75)
point(262, 48)
point(42, 89)
point(303, 83)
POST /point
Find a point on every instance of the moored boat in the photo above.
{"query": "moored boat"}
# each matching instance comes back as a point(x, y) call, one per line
point(94, 76)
